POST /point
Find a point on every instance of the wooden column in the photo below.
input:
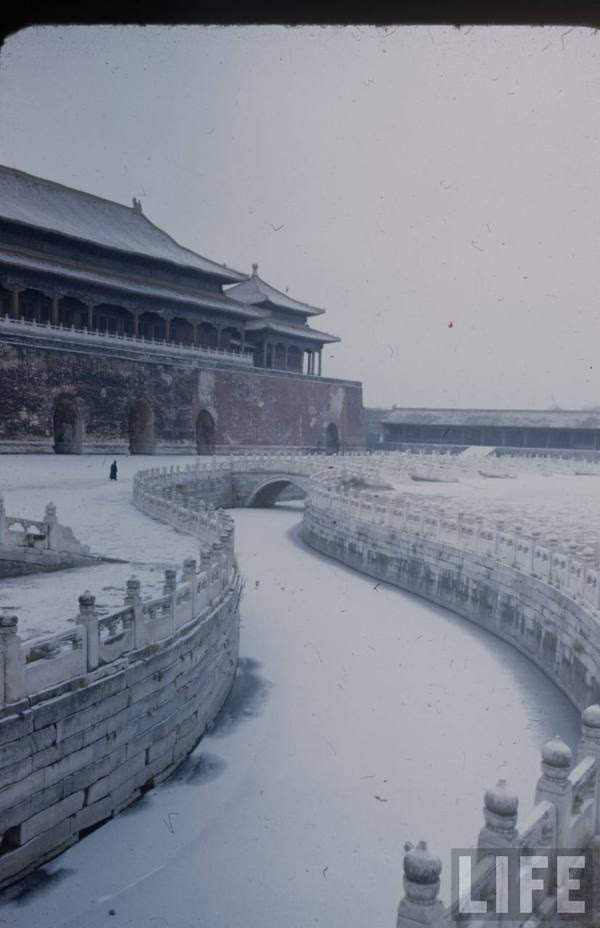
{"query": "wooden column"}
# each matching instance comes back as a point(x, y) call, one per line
point(167, 330)
point(219, 335)
point(264, 364)
point(287, 352)
point(90, 317)
point(320, 363)
point(14, 303)
point(243, 342)
point(54, 309)
point(195, 325)
point(136, 324)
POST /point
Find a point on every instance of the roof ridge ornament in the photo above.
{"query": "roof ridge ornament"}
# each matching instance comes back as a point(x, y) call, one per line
point(137, 204)
point(255, 270)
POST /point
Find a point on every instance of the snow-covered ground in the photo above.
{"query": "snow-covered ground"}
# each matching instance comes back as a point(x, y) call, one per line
point(101, 514)
point(361, 717)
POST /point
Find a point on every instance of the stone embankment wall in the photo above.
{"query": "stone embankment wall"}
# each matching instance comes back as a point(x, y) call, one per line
point(542, 598)
point(92, 718)
point(29, 545)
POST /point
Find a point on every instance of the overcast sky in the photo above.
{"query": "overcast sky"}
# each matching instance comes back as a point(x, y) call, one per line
point(436, 190)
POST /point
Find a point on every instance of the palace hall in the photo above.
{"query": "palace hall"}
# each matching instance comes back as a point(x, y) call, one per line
point(83, 275)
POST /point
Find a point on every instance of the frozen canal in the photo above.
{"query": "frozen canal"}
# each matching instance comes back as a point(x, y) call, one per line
point(361, 717)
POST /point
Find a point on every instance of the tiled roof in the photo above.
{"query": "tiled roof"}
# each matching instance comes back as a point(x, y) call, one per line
point(287, 328)
point(254, 290)
point(506, 418)
point(10, 258)
point(47, 205)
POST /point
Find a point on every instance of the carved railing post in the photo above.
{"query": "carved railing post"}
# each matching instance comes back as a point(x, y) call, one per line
point(500, 809)
point(589, 746)
point(535, 538)
point(553, 785)
point(133, 598)
point(516, 540)
point(88, 618)
point(52, 521)
point(189, 576)
point(170, 590)
point(499, 530)
point(420, 905)
point(12, 667)
point(552, 545)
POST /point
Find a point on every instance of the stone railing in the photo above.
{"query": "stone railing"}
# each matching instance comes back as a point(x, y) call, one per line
point(29, 545)
point(92, 717)
point(447, 463)
point(565, 819)
point(565, 565)
point(539, 593)
point(135, 342)
point(535, 590)
point(186, 496)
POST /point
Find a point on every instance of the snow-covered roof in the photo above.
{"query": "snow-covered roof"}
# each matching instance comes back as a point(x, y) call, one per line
point(506, 418)
point(287, 328)
point(197, 298)
point(48, 205)
point(255, 291)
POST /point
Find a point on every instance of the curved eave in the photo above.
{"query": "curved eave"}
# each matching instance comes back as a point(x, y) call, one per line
point(131, 287)
point(306, 334)
point(222, 274)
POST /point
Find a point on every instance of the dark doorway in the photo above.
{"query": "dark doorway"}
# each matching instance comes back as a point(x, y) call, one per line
point(269, 493)
point(68, 429)
point(332, 438)
point(205, 433)
point(141, 428)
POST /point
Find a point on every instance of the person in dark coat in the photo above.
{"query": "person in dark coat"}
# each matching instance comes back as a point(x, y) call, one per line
point(113, 470)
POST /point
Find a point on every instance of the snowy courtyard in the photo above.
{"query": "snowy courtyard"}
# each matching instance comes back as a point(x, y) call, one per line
point(361, 717)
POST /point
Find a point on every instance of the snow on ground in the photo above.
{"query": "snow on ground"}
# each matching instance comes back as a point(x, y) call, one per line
point(101, 514)
point(566, 504)
point(361, 717)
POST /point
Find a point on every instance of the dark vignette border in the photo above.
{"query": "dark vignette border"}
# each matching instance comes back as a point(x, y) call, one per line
point(18, 14)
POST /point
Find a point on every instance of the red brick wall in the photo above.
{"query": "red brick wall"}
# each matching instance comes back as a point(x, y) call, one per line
point(248, 408)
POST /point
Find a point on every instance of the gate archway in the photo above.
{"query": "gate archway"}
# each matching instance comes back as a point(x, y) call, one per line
point(67, 427)
point(332, 438)
point(205, 432)
point(141, 428)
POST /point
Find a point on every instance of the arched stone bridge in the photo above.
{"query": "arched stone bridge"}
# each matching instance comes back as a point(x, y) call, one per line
point(241, 480)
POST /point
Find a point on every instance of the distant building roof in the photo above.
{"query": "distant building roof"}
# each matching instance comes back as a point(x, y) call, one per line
point(48, 205)
point(256, 291)
point(287, 328)
point(506, 418)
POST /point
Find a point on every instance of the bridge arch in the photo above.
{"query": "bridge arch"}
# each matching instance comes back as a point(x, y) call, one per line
point(141, 428)
point(67, 426)
point(269, 491)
